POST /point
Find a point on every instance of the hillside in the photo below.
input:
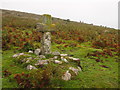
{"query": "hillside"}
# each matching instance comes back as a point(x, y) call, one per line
point(96, 46)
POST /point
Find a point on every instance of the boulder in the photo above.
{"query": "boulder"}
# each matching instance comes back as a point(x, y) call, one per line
point(30, 67)
point(37, 51)
point(57, 62)
point(66, 76)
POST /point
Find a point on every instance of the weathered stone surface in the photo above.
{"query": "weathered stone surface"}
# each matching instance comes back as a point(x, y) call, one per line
point(30, 67)
point(46, 43)
point(75, 70)
point(66, 76)
point(64, 59)
point(30, 51)
point(42, 56)
point(56, 53)
point(37, 51)
point(57, 62)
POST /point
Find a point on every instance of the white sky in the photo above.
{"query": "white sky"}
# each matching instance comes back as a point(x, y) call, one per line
point(98, 12)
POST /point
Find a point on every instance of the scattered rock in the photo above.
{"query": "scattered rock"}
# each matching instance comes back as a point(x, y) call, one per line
point(64, 59)
point(19, 54)
point(51, 59)
point(75, 70)
point(79, 68)
point(63, 55)
point(42, 62)
point(37, 51)
point(30, 58)
point(27, 61)
point(42, 56)
point(30, 67)
point(74, 59)
point(56, 53)
point(57, 62)
point(15, 55)
point(55, 57)
point(30, 51)
point(66, 76)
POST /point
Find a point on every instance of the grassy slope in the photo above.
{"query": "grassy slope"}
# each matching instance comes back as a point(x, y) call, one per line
point(93, 76)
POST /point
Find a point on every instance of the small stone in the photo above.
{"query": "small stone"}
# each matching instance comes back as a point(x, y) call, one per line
point(57, 62)
point(15, 55)
point(30, 51)
point(56, 53)
point(21, 54)
point(74, 59)
point(42, 56)
point(55, 57)
point(63, 55)
point(79, 69)
point(66, 76)
point(64, 59)
point(27, 61)
point(30, 67)
point(30, 58)
point(37, 51)
point(23, 60)
point(42, 62)
point(74, 70)
point(70, 57)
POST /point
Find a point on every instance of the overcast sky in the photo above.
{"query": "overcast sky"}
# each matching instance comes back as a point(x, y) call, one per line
point(98, 12)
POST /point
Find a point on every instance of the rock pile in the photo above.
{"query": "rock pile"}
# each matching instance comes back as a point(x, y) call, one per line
point(41, 60)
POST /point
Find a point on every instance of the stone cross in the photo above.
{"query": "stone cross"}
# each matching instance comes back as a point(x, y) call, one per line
point(45, 28)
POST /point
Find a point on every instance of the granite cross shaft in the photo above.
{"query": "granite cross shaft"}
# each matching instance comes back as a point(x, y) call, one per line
point(45, 28)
